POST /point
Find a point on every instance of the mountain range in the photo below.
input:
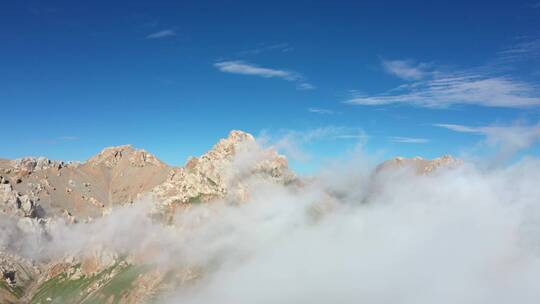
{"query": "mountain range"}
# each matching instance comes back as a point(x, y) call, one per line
point(45, 203)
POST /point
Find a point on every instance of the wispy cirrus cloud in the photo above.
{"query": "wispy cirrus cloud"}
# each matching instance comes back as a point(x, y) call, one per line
point(509, 138)
point(162, 34)
point(68, 138)
point(405, 69)
point(245, 68)
point(460, 128)
point(326, 133)
point(525, 49)
point(56, 140)
point(489, 85)
point(445, 89)
point(529, 132)
point(408, 140)
point(292, 142)
point(320, 111)
point(264, 47)
point(304, 86)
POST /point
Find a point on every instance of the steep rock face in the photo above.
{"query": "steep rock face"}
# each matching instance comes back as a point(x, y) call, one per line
point(222, 171)
point(18, 271)
point(17, 275)
point(17, 204)
point(121, 174)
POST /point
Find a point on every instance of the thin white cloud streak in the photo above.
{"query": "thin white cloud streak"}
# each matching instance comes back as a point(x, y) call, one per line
point(69, 138)
point(359, 135)
point(162, 34)
point(56, 140)
point(446, 89)
point(521, 51)
point(329, 132)
point(292, 142)
point(405, 69)
point(459, 128)
point(507, 139)
point(321, 111)
point(408, 140)
point(243, 68)
point(305, 86)
point(282, 47)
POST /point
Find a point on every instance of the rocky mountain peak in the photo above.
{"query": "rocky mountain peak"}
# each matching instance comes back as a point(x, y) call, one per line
point(220, 171)
point(420, 165)
point(226, 147)
point(112, 156)
point(239, 136)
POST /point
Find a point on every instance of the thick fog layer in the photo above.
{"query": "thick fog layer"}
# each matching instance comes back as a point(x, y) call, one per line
point(350, 234)
point(456, 236)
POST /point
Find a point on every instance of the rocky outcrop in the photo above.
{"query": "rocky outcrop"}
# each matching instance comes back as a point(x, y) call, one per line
point(222, 171)
point(16, 275)
point(31, 164)
point(14, 203)
point(419, 165)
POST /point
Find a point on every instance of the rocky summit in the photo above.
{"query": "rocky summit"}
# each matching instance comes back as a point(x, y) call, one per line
point(70, 205)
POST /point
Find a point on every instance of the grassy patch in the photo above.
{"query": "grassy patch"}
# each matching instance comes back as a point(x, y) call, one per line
point(195, 200)
point(62, 289)
point(114, 284)
point(119, 286)
point(16, 291)
point(123, 281)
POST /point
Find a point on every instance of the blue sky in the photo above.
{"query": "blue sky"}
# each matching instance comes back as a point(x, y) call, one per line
point(415, 78)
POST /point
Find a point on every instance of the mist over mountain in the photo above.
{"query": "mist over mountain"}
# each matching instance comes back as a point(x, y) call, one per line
point(273, 152)
point(236, 225)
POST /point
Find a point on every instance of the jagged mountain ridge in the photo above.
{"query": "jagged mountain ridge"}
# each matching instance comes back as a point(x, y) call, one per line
point(118, 175)
point(114, 176)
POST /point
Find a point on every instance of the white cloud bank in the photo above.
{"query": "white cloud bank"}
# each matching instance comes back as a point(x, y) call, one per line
point(459, 236)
